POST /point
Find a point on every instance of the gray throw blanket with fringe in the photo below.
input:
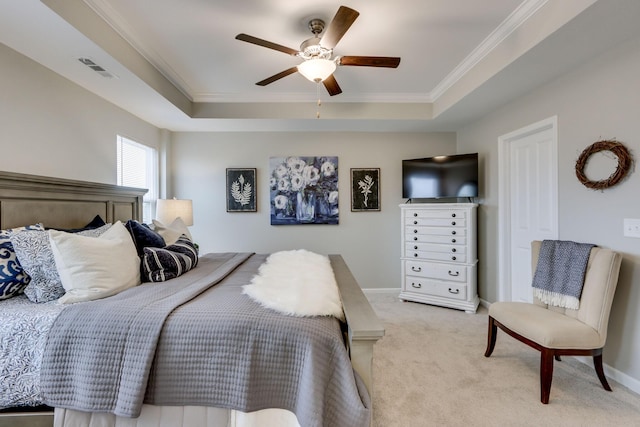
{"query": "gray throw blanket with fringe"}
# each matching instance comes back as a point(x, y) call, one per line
point(190, 341)
point(559, 275)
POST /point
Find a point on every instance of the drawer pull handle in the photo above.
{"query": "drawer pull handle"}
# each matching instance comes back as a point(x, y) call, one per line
point(415, 222)
point(417, 286)
point(415, 255)
point(453, 258)
point(453, 250)
point(453, 240)
point(453, 232)
point(415, 248)
point(415, 214)
point(415, 231)
point(453, 223)
point(415, 239)
point(454, 275)
point(453, 215)
point(457, 291)
point(416, 269)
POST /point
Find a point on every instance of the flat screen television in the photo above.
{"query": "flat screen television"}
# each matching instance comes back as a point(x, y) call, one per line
point(440, 177)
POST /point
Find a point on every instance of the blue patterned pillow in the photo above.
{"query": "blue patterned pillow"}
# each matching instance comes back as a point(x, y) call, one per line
point(160, 264)
point(13, 278)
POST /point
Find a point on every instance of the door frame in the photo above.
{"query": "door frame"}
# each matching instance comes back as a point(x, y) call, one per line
point(504, 195)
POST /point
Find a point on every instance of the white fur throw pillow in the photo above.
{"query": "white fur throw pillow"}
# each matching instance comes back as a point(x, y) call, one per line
point(298, 283)
point(92, 268)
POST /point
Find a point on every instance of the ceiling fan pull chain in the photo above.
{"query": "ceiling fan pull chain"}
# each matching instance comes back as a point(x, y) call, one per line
point(319, 101)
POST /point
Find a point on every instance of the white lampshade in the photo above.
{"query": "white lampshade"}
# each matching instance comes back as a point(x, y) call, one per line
point(168, 210)
point(317, 70)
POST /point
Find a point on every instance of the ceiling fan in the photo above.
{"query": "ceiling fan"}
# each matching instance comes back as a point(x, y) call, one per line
point(317, 52)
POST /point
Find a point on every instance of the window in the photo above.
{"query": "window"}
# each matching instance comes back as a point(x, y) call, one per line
point(137, 167)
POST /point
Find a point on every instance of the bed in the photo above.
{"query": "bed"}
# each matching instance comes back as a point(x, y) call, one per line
point(29, 199)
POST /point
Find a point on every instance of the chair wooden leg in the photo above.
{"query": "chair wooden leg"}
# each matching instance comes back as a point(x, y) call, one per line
point(546, 374)
point(597, 363)
point(558, 358)
point(491, 337)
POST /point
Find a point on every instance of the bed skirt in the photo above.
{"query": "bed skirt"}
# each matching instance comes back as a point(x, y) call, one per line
point(178, 416)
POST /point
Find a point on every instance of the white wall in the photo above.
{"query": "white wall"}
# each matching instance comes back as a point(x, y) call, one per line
point(369, 241)
point(599, 100)
point(50, 126)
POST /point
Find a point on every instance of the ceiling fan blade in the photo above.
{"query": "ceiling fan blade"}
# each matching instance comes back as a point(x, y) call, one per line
point(370, 61)
point(338, 27)
point(278, 76)
point(250, 39)
point(332, 85)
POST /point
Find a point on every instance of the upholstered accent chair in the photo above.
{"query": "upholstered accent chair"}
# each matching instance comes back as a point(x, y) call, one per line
point(556, 331)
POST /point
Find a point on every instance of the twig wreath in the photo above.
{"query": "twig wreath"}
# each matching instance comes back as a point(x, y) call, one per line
point(624, 164)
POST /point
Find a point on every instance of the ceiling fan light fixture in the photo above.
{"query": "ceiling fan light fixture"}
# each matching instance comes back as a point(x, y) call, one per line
point(316, 70)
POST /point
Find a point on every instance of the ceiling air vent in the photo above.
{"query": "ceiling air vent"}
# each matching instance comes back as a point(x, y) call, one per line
point(97, 68)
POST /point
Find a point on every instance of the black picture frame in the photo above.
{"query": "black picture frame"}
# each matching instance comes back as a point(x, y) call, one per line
point(365, 189)
point(241, 190)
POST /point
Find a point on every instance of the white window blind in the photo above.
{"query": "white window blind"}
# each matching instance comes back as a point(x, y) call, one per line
point(137, 167)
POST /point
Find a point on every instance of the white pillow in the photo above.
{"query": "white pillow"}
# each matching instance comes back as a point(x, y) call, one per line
point(172, 232)
point(92, 268)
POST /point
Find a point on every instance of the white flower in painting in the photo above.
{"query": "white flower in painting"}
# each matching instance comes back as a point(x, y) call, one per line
point(295, 164)
point(297, 182)
point(284, 184)
point(328, 169)
point(280, 201)
point(311, 175)
point(333, 197)
point(273, 182)
point(281, 171)
point(365, 187)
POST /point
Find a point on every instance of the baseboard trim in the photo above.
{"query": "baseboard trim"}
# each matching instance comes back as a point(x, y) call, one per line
point(616, 375)
point(382, 291)
point(484, 303)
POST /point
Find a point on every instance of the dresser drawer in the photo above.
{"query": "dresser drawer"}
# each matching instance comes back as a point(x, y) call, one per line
point(425, 286)
point(435, 213)
point(434, 238)
point(449, 248)
point(412, 230)
point(437, 222)
point(437, 256)
point(433, 270)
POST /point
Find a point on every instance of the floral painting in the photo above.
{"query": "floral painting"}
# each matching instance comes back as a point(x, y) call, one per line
point(304, 190)
point(365, 189)
point(241, 190)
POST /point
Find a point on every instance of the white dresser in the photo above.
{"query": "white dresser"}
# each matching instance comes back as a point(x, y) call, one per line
point(439, 254)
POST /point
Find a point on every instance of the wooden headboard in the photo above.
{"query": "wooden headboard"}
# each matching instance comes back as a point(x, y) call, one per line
point(64, 203)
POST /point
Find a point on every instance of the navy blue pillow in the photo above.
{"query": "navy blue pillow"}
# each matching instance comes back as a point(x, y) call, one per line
point(96, 222)
point(143, 236)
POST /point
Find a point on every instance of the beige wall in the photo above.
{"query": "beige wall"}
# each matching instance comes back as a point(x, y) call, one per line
point(51, 126)
point(369, 241)
point(598, 100)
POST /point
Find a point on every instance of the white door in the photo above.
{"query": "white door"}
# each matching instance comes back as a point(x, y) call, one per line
point(529, 174)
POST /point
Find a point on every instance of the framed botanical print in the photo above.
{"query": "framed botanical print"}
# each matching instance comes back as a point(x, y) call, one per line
point(241, 190)
point(365, 189)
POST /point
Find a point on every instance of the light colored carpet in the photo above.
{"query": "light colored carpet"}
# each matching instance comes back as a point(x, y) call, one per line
point(430, 370)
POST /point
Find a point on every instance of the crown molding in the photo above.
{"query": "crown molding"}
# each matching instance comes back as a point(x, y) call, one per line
point(517, 18)
point(105, 11)
point(412, 98)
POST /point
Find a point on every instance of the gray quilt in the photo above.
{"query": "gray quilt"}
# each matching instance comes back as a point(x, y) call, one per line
point(197, 340)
